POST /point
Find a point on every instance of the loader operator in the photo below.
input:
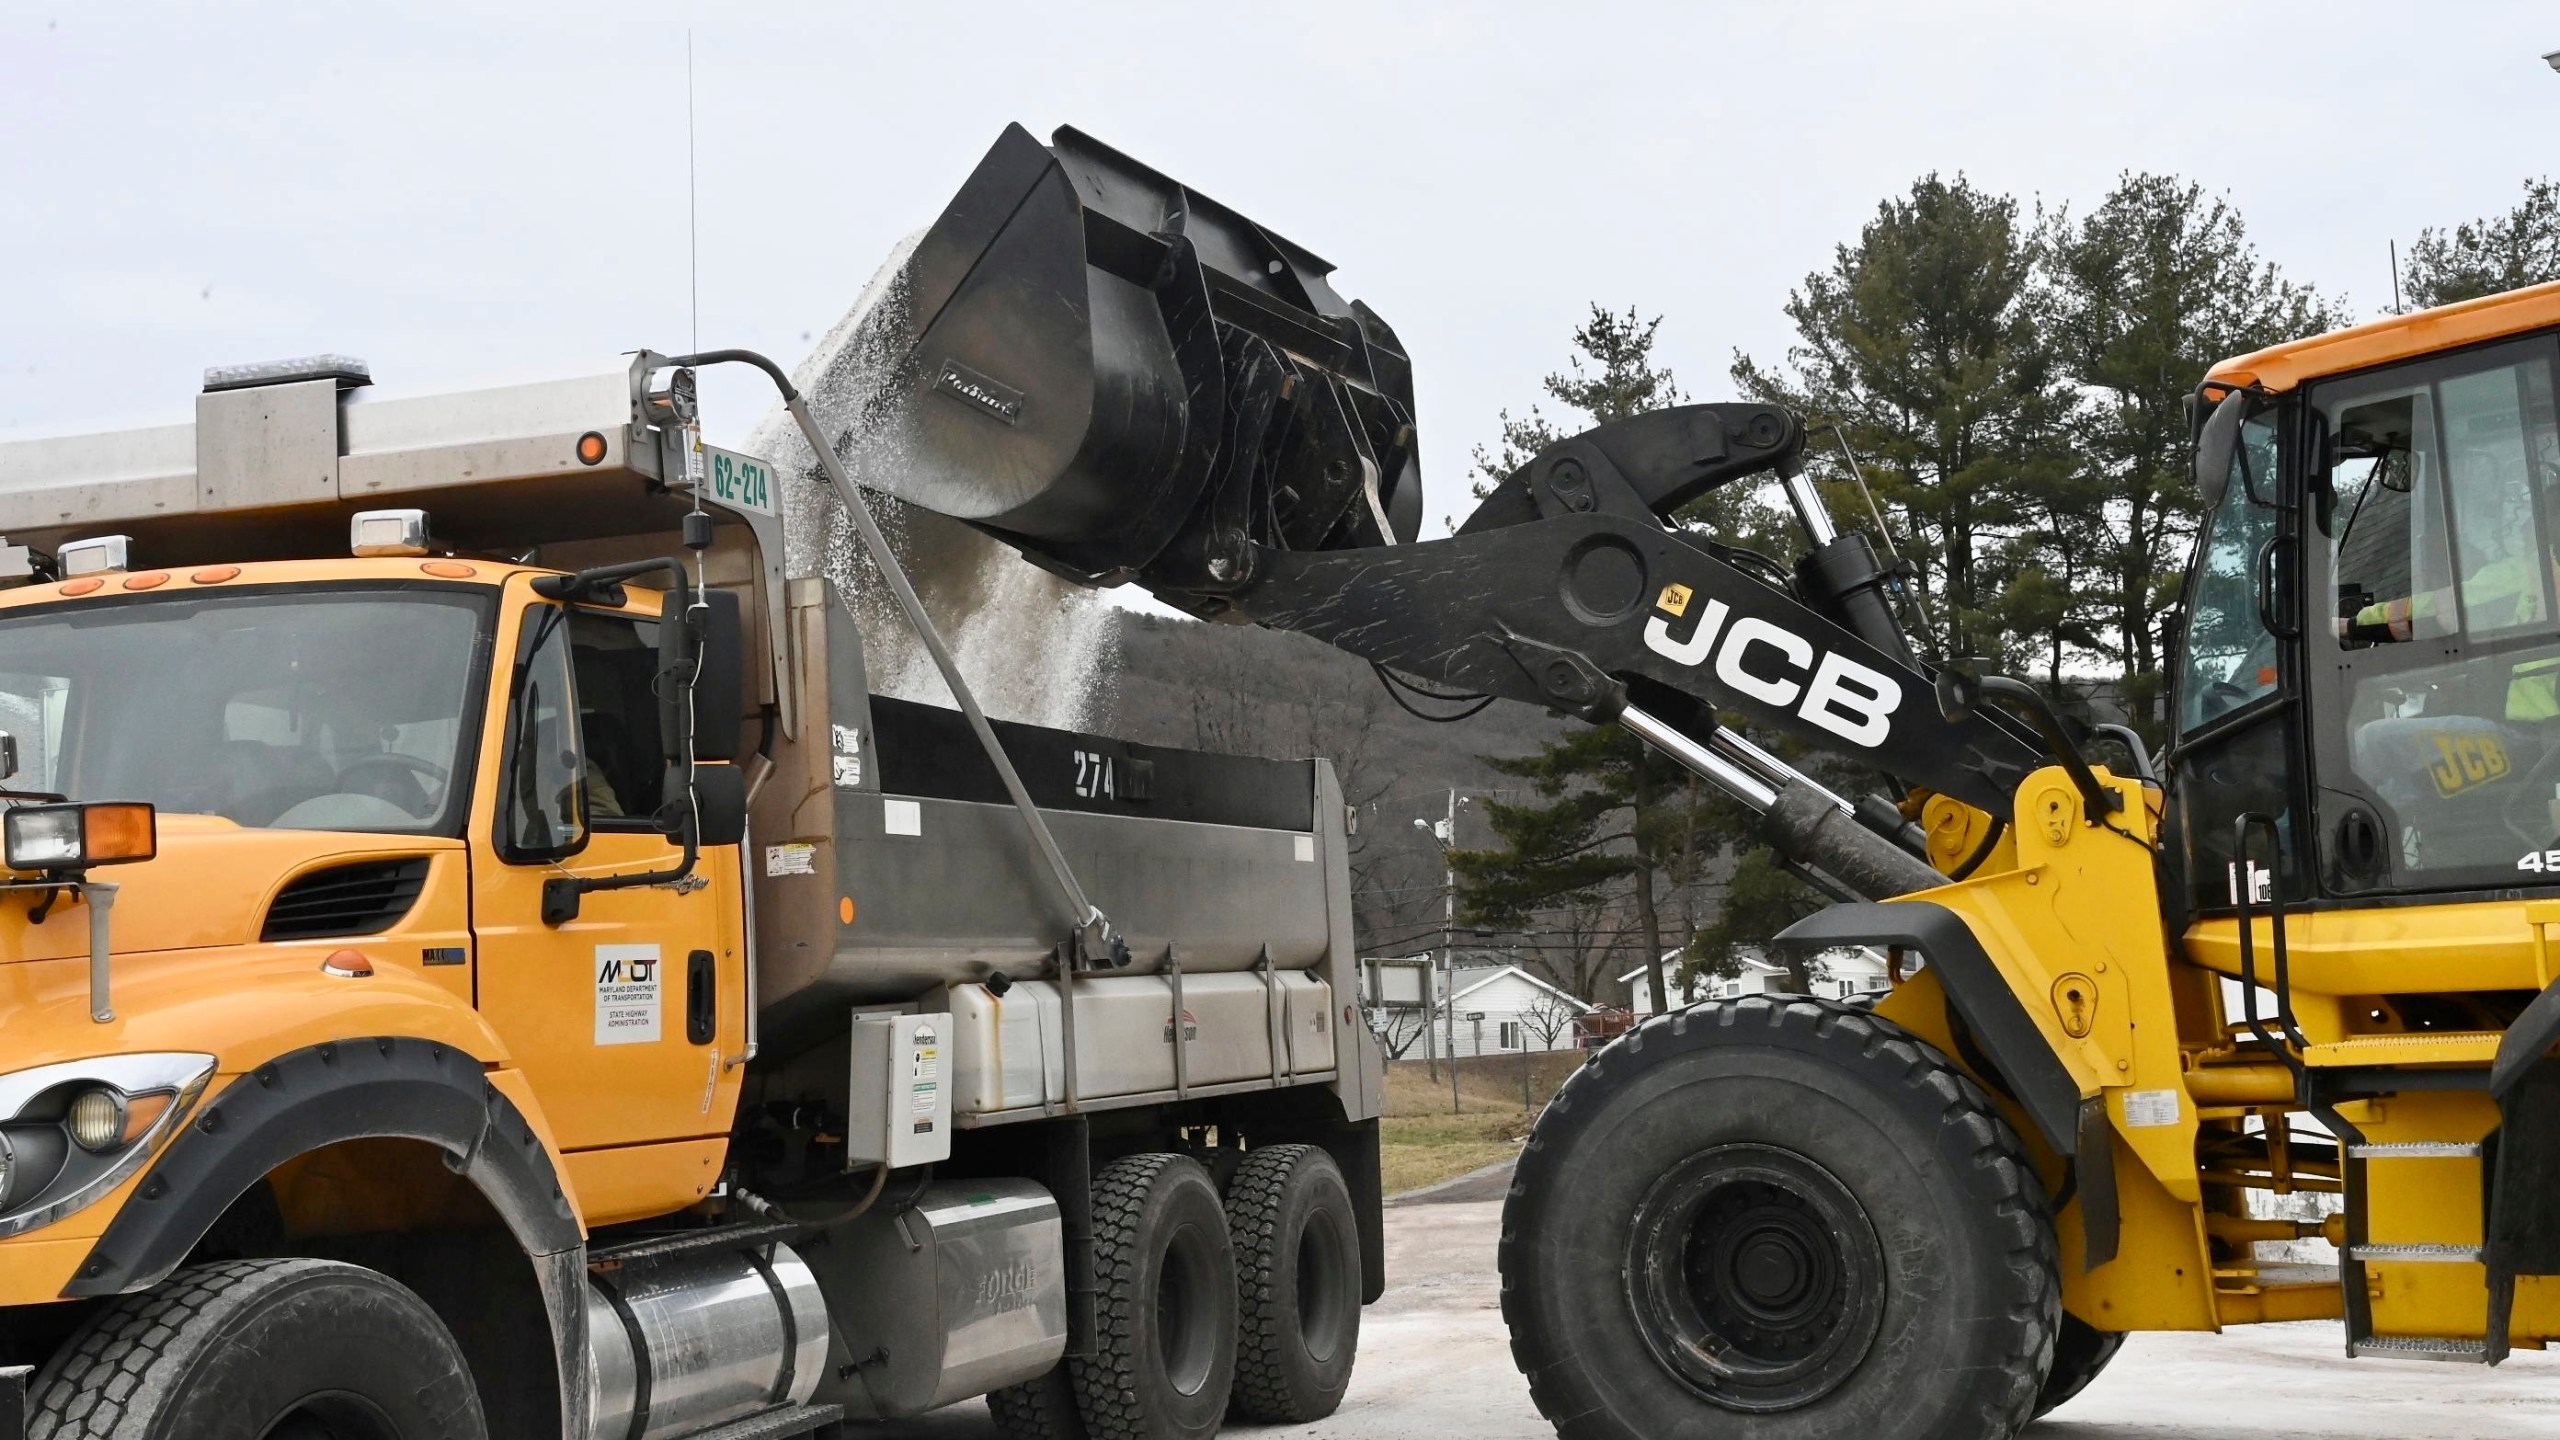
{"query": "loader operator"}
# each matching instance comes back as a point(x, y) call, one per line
point(2454, 772)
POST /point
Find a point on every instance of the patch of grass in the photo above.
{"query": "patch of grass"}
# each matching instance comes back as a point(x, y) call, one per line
point(1419, 1150)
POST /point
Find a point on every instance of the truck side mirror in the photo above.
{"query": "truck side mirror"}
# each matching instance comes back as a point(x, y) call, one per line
point(720, 799)
point(8, 756)
point(703, 635)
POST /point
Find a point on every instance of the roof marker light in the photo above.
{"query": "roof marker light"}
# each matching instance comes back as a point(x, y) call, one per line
point(97, 555)
point(388, 532)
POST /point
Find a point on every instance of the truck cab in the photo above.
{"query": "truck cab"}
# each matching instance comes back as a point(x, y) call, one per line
point(454, 871)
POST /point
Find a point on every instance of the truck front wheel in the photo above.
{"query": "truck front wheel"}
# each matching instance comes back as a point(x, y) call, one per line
point(261, 1350)
point(1164, 1360)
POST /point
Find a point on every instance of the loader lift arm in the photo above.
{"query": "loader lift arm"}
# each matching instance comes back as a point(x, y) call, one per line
point(1127, 381)
point(1571, 589)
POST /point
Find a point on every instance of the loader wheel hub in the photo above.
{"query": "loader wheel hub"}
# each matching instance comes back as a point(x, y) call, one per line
point(1755, 1277)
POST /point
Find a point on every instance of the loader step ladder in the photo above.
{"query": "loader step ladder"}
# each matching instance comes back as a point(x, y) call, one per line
point(2412, 1347)
point(2417, 1150)
point(2423, 1254)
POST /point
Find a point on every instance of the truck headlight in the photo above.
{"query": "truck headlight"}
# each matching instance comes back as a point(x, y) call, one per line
point(96, 1120)
point(72, 1132)
point(75, 837)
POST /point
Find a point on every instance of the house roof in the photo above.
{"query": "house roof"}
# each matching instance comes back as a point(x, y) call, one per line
point(1583, 1006)
point(1749, 960)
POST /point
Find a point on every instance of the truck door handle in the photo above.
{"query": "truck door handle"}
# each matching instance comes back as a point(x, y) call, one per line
point(701, 997)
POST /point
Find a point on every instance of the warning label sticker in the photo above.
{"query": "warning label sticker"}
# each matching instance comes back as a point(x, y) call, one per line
point(790, 860)
point(627, 994)
point(2150, 1107)
point(924, 1086)
point(846, 762)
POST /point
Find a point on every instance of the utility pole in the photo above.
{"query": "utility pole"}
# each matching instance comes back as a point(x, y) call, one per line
point(1430, 1044)
point(1449, 939)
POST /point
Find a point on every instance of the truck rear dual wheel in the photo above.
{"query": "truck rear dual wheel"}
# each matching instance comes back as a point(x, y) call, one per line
point(1164, 1361)
point(1297, 1245)
point(261, 1350)
point(1778, 1219)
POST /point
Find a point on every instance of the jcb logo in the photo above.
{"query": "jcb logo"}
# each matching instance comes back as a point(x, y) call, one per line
point(1765, 662)
point(628, 972)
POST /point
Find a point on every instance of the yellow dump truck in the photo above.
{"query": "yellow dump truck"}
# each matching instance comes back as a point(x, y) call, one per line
point(476, 958)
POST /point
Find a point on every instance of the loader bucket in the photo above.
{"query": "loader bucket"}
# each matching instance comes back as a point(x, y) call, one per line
point(1126, 380)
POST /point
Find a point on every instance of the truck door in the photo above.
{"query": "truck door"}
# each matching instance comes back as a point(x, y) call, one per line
point(605, 1012)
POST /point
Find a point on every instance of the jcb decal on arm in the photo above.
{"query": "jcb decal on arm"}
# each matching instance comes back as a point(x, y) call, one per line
point(1764, 661)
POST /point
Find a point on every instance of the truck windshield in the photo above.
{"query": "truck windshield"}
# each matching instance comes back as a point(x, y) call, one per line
point(297, 710)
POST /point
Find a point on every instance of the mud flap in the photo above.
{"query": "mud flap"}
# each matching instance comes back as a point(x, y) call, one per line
point(13, 1401)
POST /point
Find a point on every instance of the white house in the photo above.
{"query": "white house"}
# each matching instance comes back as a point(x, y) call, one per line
point(1521, 1012)
point(1838, 975)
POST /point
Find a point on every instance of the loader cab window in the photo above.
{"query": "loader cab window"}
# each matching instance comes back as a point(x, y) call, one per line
point(2230, 655)
point(2438, 671)
point(2234, 753)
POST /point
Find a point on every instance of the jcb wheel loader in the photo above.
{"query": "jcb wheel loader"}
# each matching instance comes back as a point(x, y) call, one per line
point(2306, 951)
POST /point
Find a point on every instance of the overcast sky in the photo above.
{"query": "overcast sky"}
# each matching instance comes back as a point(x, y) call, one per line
point(462, 189)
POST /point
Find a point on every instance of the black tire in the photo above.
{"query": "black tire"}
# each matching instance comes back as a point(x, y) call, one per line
point(247, 1349)
point(1042, 1409)
point(1164, 1360)
point(2080, 1351)
point(1778, 1218)
point(1297, 1243)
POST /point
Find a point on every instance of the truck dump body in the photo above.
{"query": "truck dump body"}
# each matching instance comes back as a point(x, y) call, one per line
point(1224, 868)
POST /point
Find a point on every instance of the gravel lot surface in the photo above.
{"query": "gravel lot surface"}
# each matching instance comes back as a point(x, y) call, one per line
point(1435, 1361)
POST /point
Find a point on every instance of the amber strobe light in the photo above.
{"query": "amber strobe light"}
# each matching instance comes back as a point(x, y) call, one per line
point(73, 837)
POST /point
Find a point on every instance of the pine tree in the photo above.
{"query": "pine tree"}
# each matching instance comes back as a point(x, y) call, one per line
point(2483, 257)
point(2148, 291)
point(1923, 343)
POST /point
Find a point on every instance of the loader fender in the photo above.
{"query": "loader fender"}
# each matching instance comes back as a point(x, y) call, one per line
point(2035, 1076)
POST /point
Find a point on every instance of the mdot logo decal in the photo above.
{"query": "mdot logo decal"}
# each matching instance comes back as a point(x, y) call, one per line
point(627, 994)
point(1776, 666)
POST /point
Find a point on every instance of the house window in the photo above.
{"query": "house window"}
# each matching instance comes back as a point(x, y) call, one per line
point(1509, 1039)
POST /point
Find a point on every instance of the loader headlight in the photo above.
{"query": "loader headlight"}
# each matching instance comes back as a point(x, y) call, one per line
point(72, 1132)
point(75, 837)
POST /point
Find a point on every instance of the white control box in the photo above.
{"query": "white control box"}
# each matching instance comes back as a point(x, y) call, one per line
point(900, 1106)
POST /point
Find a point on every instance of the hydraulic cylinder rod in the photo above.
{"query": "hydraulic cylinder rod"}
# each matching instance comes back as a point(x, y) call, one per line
point(1807, 823)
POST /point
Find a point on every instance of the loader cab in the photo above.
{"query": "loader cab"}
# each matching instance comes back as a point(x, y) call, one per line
point(2371, 656)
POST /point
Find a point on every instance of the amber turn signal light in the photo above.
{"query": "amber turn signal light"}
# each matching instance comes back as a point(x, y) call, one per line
point(74, 837)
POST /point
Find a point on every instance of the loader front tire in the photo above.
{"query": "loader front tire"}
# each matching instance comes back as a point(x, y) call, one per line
point(258, 1350)
point(2080, 1351)
point(1778, 1218)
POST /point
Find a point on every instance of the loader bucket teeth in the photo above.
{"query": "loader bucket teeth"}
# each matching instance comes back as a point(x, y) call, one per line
point(1126, 380)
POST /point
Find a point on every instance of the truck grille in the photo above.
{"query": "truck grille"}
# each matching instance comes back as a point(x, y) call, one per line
point(363, 899)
